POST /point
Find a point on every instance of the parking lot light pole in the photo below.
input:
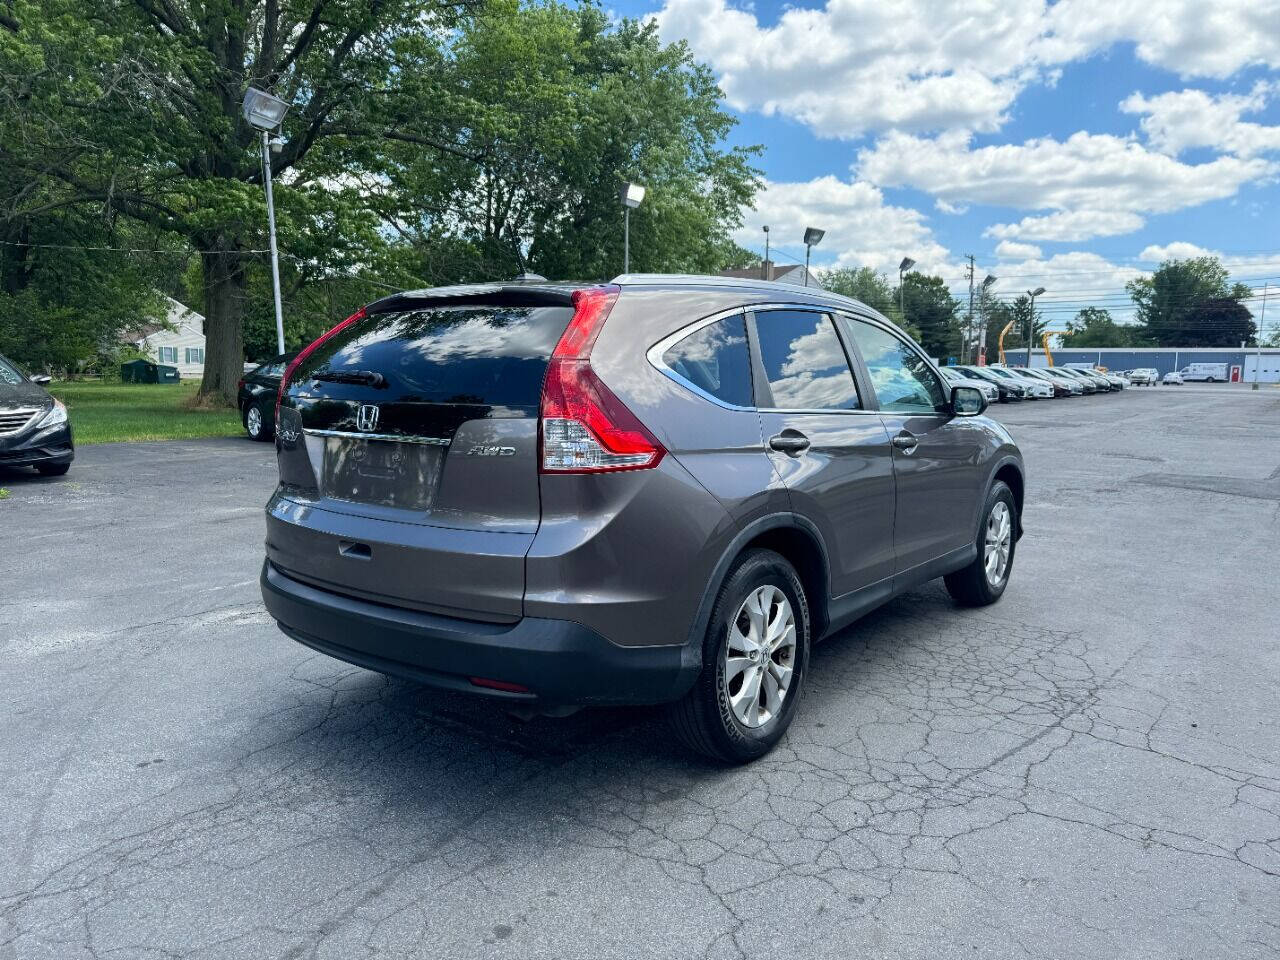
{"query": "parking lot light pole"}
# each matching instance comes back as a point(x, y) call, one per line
point(906, 264)
point(1262, 322)
point(1031, 320)
point(982, 324)
point(631, 194)
point(265, 113)
point(812, 237)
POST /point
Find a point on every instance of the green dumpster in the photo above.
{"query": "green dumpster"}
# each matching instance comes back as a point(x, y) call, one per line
point(144, 371)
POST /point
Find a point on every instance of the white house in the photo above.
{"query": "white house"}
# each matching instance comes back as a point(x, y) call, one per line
point(178, 342)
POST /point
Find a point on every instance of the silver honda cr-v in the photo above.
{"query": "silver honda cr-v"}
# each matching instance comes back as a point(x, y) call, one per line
point(660, 490)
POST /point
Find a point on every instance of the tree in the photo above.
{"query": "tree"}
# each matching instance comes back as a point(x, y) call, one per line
point(1220, 322)
point(429, 139)
point(1095, 327)
point(932, 313)
point(867, 286)
point(561, 105)
point(1184, 304)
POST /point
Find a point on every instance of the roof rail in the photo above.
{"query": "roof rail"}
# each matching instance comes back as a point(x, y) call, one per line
point(707, 280)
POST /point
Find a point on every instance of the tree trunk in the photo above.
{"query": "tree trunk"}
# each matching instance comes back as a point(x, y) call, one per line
point(224, 297)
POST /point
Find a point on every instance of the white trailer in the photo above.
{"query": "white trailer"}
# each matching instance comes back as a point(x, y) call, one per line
point(1205, 371)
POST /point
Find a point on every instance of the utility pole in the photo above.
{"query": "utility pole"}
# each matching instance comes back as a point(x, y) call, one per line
point(968, 324)
point(765, 267)
point(1262, 323)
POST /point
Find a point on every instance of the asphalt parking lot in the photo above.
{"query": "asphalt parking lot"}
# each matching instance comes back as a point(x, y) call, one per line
point(1090, 768)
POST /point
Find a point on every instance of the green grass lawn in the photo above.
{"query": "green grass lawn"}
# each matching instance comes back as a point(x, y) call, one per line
point(111, 412)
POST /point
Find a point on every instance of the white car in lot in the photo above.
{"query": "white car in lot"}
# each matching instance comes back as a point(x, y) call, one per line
point(1036, 389)
point(1173, 377)
point(1070, 384)
point(1144, 376)
point(957, 379)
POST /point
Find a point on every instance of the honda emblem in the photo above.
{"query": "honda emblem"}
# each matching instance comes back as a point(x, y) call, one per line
point(367, 418)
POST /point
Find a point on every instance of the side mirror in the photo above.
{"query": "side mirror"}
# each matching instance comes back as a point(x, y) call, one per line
point(41, 379)
point(967, 401)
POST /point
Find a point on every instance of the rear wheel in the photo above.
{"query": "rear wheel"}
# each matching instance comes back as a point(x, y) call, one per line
point(256, 422)
point(754, 657)
point(983, 581)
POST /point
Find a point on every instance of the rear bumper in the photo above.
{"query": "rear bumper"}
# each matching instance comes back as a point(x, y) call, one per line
point(557, 661)
point(45, 446)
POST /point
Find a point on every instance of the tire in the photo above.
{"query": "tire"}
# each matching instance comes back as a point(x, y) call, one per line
point(971, 586)
point(1213, 380)
point(257, 423)
point(53, 469)
point(709, 718)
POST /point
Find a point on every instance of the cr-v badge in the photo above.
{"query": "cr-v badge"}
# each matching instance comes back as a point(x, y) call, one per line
point(367, 418)
point(485, 450)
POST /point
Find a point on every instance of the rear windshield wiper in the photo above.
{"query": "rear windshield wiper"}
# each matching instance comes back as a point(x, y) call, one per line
point(369, 378)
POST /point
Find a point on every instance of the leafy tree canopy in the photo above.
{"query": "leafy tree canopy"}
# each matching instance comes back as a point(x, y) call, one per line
point(428, 140)
point(867, 286)
point(1184, 303)
point(1095, 327)
point(932, 314)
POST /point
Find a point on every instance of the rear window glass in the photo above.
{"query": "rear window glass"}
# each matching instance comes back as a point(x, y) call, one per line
point(716, 360)
point(494, 356)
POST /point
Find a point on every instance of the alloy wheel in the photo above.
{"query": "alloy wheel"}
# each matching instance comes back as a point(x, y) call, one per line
point(999, 543)
point(760, 656)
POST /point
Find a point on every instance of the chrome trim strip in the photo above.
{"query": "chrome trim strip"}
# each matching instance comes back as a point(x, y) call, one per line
point(654, 356)
point(30, 412)
point(393, 437)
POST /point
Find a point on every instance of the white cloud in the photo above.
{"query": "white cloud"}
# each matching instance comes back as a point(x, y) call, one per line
point(861, 230)
point(854, 66)
point(859, 65)
point(1177, 121)
point(1091, 184)
point(1178, 250)
point(1009, 250)
point(1072, 281)
point(1069, 226)
point(1205, 38)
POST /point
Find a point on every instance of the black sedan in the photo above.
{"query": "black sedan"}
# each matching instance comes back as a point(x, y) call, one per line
point(257, 396)
point(34, 429)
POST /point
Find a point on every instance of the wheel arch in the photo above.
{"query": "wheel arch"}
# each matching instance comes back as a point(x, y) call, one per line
point(1009, 471)
point(793, 537)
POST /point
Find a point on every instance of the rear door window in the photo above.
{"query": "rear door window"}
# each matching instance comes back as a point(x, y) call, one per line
point(716, 360)
point(804, 362)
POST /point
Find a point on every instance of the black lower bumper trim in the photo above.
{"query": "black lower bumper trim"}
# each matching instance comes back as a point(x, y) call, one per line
point(558, 661)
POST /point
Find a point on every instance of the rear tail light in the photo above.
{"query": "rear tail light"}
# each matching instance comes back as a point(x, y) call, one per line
point(308, 350)
point(584, 428)
point(240, 385)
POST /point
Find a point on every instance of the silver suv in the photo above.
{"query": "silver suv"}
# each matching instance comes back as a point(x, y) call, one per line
point(660, 490)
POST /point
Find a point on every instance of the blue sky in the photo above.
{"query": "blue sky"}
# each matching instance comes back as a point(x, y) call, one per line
point(1070, 145)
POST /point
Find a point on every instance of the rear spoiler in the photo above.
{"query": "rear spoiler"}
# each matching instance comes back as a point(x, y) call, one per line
point(480, 294)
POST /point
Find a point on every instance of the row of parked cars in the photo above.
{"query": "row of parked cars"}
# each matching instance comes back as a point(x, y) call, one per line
point(1007, 384)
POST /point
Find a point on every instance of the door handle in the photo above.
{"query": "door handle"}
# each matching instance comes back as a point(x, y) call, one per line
point(906, 442)
point(791, 442)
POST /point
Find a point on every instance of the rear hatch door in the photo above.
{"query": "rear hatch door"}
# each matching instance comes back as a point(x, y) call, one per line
point(408, 450)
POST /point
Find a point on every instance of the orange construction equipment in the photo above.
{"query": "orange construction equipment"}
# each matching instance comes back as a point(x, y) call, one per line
point(1044, 338)
point(1007, 327)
